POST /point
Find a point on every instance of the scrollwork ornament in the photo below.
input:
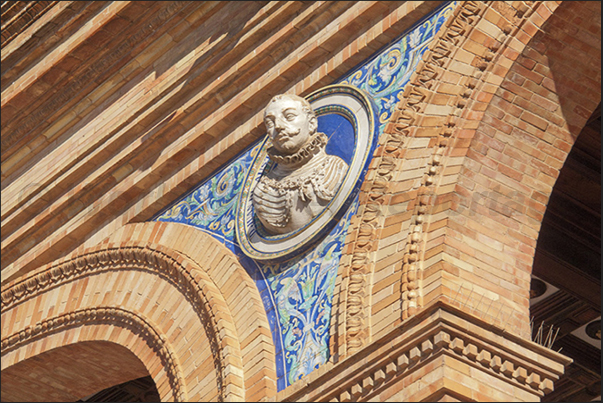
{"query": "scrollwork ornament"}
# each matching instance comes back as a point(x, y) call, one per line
point(7, 297)
point(31, 284)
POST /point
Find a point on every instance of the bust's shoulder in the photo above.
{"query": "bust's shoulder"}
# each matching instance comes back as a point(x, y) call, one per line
point(335, 159)
point(336, 162)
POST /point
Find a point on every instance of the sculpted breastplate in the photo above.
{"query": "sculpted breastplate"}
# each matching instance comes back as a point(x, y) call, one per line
point(286, 199)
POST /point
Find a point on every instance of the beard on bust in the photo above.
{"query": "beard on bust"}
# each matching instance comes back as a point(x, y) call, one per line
point(286, 140)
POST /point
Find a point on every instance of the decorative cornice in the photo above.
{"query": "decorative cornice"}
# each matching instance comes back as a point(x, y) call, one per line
point(136, 323)
point(442, 330)
point(18, 15)
point(456, 345)
point(76, 82)
point(168, 266)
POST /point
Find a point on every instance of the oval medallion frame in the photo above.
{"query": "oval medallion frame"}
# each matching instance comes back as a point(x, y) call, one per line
point(358, 110)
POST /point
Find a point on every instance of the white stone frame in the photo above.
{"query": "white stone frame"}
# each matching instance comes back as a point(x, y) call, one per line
point(259, 247)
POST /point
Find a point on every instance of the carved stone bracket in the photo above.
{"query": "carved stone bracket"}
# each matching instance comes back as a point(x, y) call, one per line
point(171, 266)
point(113, 316)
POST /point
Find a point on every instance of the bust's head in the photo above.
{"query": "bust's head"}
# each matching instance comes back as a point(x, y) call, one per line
point(290, 122)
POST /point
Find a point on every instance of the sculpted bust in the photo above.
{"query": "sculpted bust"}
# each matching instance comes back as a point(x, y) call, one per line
point(304, 178)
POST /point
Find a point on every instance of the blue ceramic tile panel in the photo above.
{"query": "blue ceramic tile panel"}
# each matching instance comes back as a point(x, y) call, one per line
point(384, 76)
point(297, 294)
point(341, 141)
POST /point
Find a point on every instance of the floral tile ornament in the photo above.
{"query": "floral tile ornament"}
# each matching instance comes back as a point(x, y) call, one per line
point(385, 76)
point(298, 293)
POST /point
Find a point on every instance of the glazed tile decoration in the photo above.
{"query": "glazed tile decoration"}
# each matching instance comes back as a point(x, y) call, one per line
point(297, 289)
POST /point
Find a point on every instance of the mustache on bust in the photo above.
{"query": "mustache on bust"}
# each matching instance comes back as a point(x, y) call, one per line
point(287, 134)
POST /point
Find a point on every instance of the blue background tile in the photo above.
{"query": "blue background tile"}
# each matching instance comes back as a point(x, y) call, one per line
point(341, 135)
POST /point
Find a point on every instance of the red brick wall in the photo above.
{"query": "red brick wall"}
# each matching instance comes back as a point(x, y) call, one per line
point(471, 177)
point(454, 201)
point(514, 158)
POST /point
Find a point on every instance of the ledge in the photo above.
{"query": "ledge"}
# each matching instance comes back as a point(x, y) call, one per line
point(436, 331)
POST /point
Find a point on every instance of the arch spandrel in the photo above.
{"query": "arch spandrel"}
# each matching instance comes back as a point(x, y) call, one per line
point(179, 281)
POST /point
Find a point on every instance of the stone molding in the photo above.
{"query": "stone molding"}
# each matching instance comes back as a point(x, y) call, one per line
point(78, 82)
point(457, 32)
point(439, 330)
point(20, 15)
point(415, 99)
point(172, 266)
point(390, 142)
point(402, 125)
point(113, 316)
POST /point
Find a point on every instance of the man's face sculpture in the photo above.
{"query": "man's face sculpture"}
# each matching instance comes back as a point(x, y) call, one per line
point(289, 126)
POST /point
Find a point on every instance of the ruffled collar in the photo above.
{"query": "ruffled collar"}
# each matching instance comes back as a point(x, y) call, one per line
point(312, 147)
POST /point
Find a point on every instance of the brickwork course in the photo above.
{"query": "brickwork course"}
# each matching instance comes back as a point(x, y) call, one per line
point(111, 111)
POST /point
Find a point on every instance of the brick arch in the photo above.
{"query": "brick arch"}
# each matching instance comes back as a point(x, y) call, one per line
point(404, 251)
point(513, 140)
point(92, 351)
point(102, 364)
point(184, 281)
point(381, 284)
